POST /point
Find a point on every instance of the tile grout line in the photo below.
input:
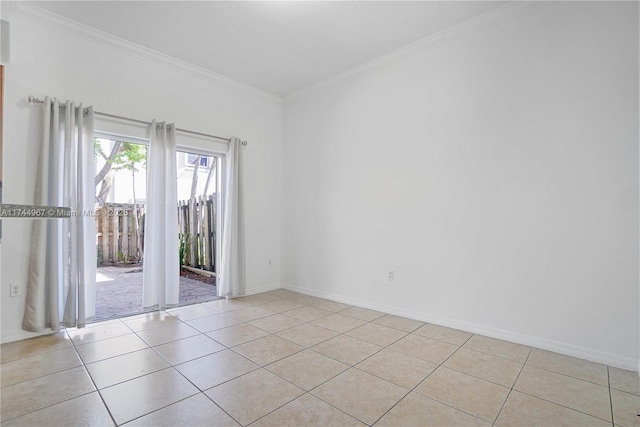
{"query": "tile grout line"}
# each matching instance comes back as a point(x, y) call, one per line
point(534, 366)
point(327, 380)
point(172, 366)
point(574, 378)
point(314, 396)
point(512, 387)
point(84, 365)
point(610, 395)
point(564, 406)
point(47, 374)
point(497, 355)
point(54, 404)
point(551, 401)
point(262, 366)
point(421, 381)
point(310, 349)
point(424, 379)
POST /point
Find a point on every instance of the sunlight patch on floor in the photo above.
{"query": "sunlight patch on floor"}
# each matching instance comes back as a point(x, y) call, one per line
point(100, 277)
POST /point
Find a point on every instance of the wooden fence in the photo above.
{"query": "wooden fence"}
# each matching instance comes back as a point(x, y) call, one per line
point(119, 229)
point(197, 232)
point(120, 232)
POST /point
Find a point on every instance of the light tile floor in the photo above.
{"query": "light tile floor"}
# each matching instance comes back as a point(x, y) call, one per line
point(282, 358)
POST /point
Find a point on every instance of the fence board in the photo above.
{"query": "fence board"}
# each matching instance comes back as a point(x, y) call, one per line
point(193, 232)
point(105, 238)
point(118, 232)
point(124, 247)
point(196, 229)
point(135, 236)
point(115, 236)
point(206, 256)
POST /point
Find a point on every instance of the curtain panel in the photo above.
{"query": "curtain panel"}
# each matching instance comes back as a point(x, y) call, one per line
point(161, 268)
point(61, 282)
point(232, 276)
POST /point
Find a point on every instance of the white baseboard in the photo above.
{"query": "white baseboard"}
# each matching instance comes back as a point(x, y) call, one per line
point(22, 335)
point(261, 289)
point(598, 356)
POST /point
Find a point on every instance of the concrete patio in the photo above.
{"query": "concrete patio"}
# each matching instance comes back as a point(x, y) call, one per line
point(119, 292)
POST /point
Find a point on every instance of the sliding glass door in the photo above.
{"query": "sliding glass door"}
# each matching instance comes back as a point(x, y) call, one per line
point(121, 183)
point(198, 193)
point(120, 209)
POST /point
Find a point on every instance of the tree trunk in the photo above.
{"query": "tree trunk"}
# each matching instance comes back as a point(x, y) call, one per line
point(109, 162)
point(212, 169)
point(194, 180)
point(101, 197)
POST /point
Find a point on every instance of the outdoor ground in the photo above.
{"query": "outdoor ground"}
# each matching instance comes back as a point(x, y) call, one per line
point(119, 291)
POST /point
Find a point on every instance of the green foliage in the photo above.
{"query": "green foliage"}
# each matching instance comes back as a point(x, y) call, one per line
point(182, 251)
point(97, 149)
point(125, 257)
point(130, 156)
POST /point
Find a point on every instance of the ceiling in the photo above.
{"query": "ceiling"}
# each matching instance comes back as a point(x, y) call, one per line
point(277, 46)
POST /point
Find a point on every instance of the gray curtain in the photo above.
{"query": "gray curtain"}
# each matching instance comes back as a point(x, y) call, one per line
point(232, 276)
point(61, 283)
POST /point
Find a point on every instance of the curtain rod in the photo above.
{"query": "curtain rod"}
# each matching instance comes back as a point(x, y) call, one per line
point(34, 100)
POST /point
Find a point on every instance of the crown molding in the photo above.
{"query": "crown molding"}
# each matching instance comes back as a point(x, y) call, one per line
point(457, 32)
point(43, 17)
point(460, 31)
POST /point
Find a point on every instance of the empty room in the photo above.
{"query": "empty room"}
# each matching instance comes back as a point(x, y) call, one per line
point(319, 213)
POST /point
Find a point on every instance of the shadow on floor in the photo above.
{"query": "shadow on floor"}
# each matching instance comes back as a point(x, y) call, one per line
point(119, 292)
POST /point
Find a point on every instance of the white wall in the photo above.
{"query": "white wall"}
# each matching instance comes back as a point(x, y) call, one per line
point(46, 61)
point(497, 175)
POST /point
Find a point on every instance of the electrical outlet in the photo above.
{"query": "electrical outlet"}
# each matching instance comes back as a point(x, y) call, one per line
point(391, 276)
point(16, 290)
